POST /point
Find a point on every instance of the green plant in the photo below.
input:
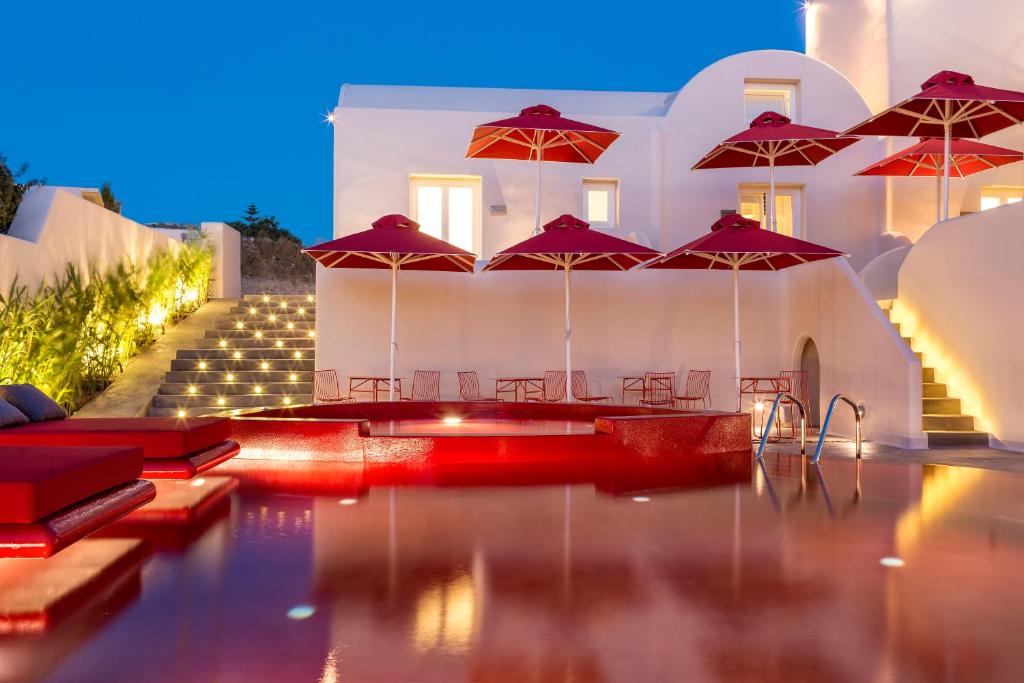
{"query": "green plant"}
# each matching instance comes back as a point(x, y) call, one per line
point(11, 192)
point(109, 200)
point(72, 337)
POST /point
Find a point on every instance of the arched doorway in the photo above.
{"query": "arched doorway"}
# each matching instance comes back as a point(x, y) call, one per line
point(809, 364)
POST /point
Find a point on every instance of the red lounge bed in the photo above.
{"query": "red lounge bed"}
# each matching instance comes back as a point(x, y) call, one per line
point(173, 448)
point(51, 497)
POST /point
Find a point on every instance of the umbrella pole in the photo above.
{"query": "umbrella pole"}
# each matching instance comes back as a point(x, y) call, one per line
point(536, 222)
point(945, 171)
point(568, 335)
point(771, 188)
point(736, 330)
point(394, 344)
point(938, 197)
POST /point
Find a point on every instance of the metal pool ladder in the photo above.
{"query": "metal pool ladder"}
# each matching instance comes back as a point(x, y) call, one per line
point(858, 413)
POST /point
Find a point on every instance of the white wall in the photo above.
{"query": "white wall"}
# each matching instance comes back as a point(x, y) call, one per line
point(226, 278)
point(960, 299)
point(55, 226)
point(860, 353)
point(887, 48)
point(507, 323)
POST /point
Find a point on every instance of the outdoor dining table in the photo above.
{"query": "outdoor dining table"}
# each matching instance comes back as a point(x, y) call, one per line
point(373, 385)
point(513, 385)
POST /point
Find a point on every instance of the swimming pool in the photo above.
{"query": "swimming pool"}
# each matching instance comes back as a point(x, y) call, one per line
point(560, 571)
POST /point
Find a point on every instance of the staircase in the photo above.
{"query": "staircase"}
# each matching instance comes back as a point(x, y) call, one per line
point(943, 420)
point(260, 354)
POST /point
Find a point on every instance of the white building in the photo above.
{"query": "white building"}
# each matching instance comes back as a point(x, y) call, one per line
point(401, 150)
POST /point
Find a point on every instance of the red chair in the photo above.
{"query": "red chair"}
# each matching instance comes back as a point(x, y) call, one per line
point(659, 389)
point(469, 387)
point(426, 386)
point(698, 388)
point(554, 387)
point(581, 392)
point(797, 380)
point(326, 388)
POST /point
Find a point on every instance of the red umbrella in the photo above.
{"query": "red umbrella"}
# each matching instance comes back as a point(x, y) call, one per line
point(774, 140)
point(949, 106)
point(967, 157)
point(569, 244)
point(540, 133)
point(394, 242)
point(736, 243)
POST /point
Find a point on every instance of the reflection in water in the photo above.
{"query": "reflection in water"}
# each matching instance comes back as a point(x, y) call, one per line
point(555, 574)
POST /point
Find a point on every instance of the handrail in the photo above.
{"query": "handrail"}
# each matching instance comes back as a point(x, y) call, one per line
point(858, 414)
point(771, 420)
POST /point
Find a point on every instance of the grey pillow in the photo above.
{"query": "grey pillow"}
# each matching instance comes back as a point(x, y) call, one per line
point(37, 406)
point(11, 416)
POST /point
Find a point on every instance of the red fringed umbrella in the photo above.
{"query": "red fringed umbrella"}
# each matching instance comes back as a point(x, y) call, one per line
point(568, 244)
point(540, 133)
point(394, 242)
point(736, 243)
point(774, 140)
point(925, 159)
point(950, 105)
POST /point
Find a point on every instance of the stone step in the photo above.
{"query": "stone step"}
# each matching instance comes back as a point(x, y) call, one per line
point(267, 298)
point(263, 325)
point(908, 341)
point(243, 354)
point(268, 333)
point(236, 388)
point(278, 317)
point(939, 438)
point(268, 309)
point(221, 403)
point(941, 406)
point(232, 365)
point(947, 423)
point(264, 341)
point(934, 390)
point(897, 326)
point(214, 376)
point(927, 375)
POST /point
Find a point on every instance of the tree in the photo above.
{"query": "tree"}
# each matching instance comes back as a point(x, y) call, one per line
point(109, 200)
point(11, 192)
point(253, 224)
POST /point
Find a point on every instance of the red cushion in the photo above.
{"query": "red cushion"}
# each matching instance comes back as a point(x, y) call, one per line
point(38, 481)
point(158, 437)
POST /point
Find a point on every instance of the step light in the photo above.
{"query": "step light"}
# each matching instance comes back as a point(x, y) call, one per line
point(297, 354)
point(222, 343)
point(259, 335)
point(279, 344)
point(287, 401)
point(291, 326)
point(264, 365)
point(237, 355)
point(302, 311)
point(309, 297)
point(312, 333)
point(240, 325)
point(258, 389)
point(284, 304)
point(230, 377)
point(252, 310)
point(293, 377)
point(221, 401)
point(266, 298)
point(273, 318)
point(202, 365)
point(181, 413)
point(192, 388)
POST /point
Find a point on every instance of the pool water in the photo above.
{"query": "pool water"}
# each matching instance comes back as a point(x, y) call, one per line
point(903, 574)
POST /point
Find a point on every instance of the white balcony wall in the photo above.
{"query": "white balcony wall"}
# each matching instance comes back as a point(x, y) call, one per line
point(55, 226)
point(959, 298)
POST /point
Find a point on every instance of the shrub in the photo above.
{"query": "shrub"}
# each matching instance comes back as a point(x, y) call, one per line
point(72, 337)
point(11, 192)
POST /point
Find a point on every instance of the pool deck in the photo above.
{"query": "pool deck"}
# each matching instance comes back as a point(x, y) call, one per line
point(986, 458)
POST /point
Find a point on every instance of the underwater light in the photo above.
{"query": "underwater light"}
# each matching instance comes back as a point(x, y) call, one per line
point(891, 562)
point(452, 420)
point(197, 482)
point(348, 501)
point(300, 612)
point(641, 499)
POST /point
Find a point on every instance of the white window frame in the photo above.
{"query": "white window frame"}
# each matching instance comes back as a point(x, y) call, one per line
point(475, 183)
point(797, 191)
point(1004, 194)
point(790, 88)
point(610, 185)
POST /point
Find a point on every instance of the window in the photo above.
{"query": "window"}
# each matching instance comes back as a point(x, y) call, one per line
point(601, 202)
point(762, 96)
point(753, 202)
point(1000, 195)
point(448, 207)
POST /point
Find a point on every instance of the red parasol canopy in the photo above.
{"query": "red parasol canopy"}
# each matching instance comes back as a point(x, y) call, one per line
point(394, 242)
point(774, 140)
point(950, 105)
point(736, 243)
point(568, 244)
point(966, 157)
point(540, 133)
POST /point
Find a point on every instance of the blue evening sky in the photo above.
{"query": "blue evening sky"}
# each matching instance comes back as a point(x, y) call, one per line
point(194, 109)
